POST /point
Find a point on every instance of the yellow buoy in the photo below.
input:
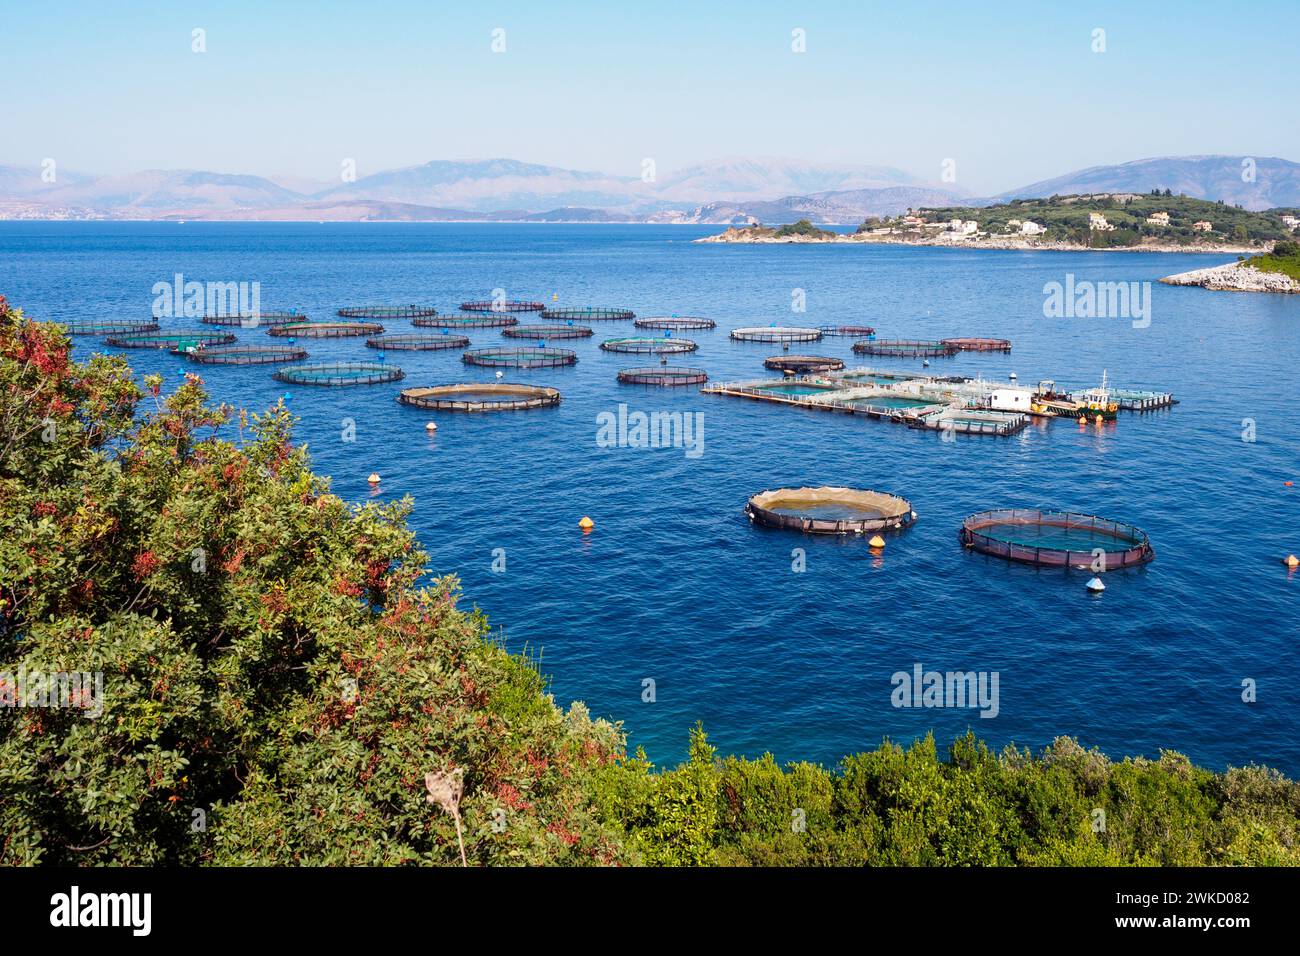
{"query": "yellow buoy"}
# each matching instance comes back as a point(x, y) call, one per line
point(586, 524)
point(1292, 561)
point(1098, 419)
point(374, 478)
point(876, 541)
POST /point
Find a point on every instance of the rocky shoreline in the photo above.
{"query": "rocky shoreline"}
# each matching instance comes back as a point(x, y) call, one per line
point(1235, 277)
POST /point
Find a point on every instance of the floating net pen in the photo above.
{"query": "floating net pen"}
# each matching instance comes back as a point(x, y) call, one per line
point(979, 345)
point(340, 373)
point(589, 314)
point(388, 312)
point(247, 354)
point(547, 332)
point(775, 333)
point(181, 340)
point(325, 330)
point(830, 510)
point(905, 348)
point(534, 357)
point(675, 322)
point(501, 397)
point(656, 346)
point(109, 326)
point(474, 320)
point(1056, 539)
point(513, 305)
point(666, 375)
point(803, 364)
point(417, 342)
point(854, 331)
point(251, 320)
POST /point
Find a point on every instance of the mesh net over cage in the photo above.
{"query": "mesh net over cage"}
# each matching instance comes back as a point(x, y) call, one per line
point(674, 322)
point(512, 305)
point(325, 330)
point(589, 313)
point(1056, 539)
point(109, 326)
point(803, 364)
point(829, 510)
point(523, 357)
point(475, 320)
point(846, 330)
point(547, 332)
point(663, 375)
point(247, 354)
point(979, 345)
point(251, 320)
point(775, 333)
point(388, 311)
point(340, 373)
point(659, 346)
point(181, 340)
point(500, 397)
point(905, 348)
point(417, 342)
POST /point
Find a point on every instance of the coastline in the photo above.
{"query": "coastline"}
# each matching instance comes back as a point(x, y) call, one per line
point(744, 237)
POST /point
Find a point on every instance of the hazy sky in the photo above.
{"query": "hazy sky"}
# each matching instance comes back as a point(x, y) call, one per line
point(1013, 92)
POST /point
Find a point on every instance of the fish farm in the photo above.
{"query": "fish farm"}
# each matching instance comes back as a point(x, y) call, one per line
point(178, 339)
point(663, 375)
point(474, 320)
point(1056, 539)
point(548, 332)
point(337, 374)
point(853, 331)
point(661, 346)
point(249, 320)
point(803, 364)
point(978, 345)
point(523, 357)
point(388, 312)
point(775, 333)
point(589, 313)
point(109, 326)
point(675, 323)
point(905, 348)
point(495, 306)
point(247, 354)
point(480, 397)
point(829, 510)
point(325, 330)
point(417, 342)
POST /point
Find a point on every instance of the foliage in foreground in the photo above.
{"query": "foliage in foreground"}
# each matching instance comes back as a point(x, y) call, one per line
point(277, 684)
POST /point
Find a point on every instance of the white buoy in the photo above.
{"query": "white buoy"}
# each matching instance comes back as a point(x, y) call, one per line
point(925, 364)
point(1095, 586)
point(499, 374)
point(1013, 376)
point(430, 427)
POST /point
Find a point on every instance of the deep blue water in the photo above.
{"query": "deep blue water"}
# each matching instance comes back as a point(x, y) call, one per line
point(675, 586)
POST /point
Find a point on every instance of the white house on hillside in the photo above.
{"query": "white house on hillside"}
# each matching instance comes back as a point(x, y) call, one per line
point(1097, 222)
point(1158, 219)
point(1031, 228)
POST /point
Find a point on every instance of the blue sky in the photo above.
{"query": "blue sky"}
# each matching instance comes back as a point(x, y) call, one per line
point(1011, 91)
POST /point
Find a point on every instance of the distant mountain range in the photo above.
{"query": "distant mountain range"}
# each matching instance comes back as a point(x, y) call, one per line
point(725, 192)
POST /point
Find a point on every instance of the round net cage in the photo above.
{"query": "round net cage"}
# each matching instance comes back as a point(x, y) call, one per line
point(854, 331)
point(417, 342)
point(674, 322)
point(589, 314)
point(905, 348)
point(251, 320)
point(1062, 539)
point(663, 375)
point(979, 345)
point(829, 510)
point(247, 354)
point(109, 326)
point(474, 320)
point(547, 332)
point(803, 364)
point(500, 397)
point(340, 373)
point(325, 330)
point(178, 340)
point(388, 312)
point(523, 357)
point(513, 305)
point(659, 346)
point(775, 333)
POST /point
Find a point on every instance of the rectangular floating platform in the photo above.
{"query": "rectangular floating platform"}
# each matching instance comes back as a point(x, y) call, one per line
point(1134, 400)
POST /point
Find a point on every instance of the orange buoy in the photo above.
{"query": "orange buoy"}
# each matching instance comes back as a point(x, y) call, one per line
point(374, 478)
point(1287, 483)
point(876, 541)
point(1292, 561)
point(1099, 419)
point(586, 524)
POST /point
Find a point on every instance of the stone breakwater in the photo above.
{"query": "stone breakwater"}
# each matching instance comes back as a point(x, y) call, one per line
point(1235, 277)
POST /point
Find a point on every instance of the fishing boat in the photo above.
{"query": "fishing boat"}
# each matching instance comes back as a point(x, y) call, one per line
point(1098, 402)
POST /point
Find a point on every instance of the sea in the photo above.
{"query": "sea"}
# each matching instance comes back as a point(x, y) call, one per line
point(673, 608)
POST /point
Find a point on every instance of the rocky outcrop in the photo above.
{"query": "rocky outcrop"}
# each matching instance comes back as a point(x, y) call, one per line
point(1235, 277)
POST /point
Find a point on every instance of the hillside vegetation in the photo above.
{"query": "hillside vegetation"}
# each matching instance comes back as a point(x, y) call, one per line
point(1284, 258)
point(278, 684)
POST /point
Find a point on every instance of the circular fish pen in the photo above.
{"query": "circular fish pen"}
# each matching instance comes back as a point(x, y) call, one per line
point(249, 320)
point(662, 346)
point(547, 332)
point(247, 354)
point(675, 323)
point(522, 357)
point(1056, 539)
point(480, 397)
point(846, 330)
point(388, 312)
point(109, 326)
point(510, 306)
point(830, 510)
point(475, 320)
point(664, 375)
point(775, 333)
point(803, 364)
point(979, 345)
point(340, 373)
point(180, 340)
point(325, 330)
point(417, 342)
point(905, 348)
point(589, 314)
